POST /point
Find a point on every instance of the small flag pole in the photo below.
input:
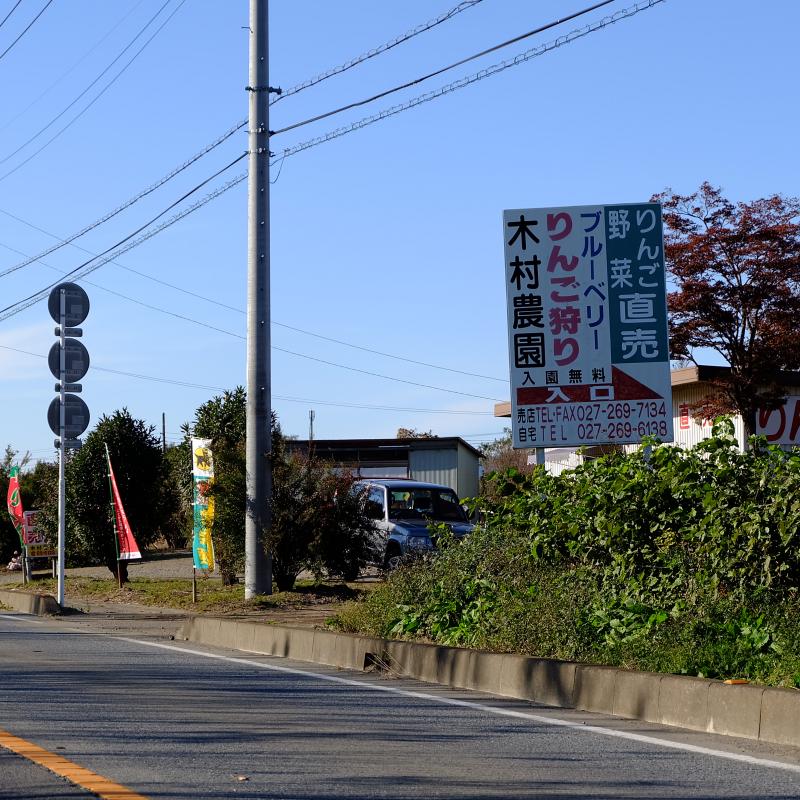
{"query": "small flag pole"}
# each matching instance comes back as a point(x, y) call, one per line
point(113, 514)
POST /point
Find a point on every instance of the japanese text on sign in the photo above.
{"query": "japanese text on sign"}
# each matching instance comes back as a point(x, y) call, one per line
point(587, 324)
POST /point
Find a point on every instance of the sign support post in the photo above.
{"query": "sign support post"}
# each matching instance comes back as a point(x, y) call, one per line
point(67, 415)
point(62, 475)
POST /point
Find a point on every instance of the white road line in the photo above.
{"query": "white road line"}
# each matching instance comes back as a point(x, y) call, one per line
point(21, 618)
point(500, 712)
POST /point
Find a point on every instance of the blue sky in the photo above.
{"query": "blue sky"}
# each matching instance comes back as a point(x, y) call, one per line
point(388, 238)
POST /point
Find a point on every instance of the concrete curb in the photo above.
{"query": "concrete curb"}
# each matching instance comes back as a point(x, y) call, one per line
point(752, 712)
point(29, 602)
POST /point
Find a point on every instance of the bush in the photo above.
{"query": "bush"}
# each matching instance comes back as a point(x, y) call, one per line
point(317, 523)
point(683, 561)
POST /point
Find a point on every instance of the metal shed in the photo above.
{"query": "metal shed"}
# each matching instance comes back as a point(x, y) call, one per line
point(449, 461)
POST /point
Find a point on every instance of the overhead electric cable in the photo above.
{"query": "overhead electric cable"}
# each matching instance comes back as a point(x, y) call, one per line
point(119, 209)
point(87, 267)
point(13, 9)
point(376, 51)
point(315, 401)
point(97, 96)
point(29, 26)
point(455, 85)
point(86, 90)
point(387, 377)
point(217, 303)
point(206, 325)
point(63, 74)
point(241, 124)
point(468, 80)
point(442, 70)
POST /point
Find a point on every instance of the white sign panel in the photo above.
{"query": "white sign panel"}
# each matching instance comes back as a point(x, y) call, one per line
point(781, 425)
point(587, 325)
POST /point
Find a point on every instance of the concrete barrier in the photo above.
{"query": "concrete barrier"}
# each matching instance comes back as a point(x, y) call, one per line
point(780, 716)
point(753, 712)
point(683, 701)
point(29, 602)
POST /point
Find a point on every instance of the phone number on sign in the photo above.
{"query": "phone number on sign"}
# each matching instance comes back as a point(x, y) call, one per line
point(613, 421)
point(621, 430)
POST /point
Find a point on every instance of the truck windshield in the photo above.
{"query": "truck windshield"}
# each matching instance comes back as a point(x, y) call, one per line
point(436, 504)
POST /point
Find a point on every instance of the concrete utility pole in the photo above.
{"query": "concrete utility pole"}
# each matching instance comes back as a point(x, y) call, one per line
point(258, 564)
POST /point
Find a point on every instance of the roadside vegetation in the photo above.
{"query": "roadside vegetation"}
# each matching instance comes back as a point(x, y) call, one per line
point(318, 525)
point(671, 560)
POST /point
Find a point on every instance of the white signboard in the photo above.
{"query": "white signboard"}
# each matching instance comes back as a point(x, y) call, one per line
point(781, 425)
point(587, 325)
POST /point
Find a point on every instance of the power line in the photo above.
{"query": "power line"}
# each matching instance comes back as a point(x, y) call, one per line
point(290, 399)
point(461, 83)
point(442, 70)
point(206, 325)
point(64, 74)
point(468, 80)
point(119, 209)
point(455, 85)
point(5, 18)
point(31, 259)
point(238, 126)
point(354, 62)
point(84, 92)
point(97, 96)
point(77, 270)
point(29, 26)
point(386, 377)
point(388, 355)
point(21, 305)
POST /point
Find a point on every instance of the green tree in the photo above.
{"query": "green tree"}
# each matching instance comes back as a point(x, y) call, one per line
point(317, 523)
point(177, 491)
point(139, 470)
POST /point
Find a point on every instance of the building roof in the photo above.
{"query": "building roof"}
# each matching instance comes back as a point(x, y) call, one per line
point(415, 443)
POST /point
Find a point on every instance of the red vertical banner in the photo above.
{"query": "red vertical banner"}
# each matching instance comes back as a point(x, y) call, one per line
point(127, 549)
point(14, 503)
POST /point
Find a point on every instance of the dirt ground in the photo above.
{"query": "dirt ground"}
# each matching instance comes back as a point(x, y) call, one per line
point(312, 611)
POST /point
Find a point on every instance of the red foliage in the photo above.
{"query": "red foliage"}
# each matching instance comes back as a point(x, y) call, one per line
point(737, 271)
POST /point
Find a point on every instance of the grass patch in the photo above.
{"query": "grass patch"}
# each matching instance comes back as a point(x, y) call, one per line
point(212, 596)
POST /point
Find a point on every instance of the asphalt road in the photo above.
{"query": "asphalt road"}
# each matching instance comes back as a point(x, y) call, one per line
point(175, 720)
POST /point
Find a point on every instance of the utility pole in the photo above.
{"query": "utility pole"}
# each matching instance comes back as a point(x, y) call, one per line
point(163, 431)
point(258, 564)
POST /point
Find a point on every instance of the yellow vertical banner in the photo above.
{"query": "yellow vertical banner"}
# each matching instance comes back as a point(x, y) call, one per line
point(202, 504)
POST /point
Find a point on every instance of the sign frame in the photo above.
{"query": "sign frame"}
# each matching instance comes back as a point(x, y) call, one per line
point(587, 325)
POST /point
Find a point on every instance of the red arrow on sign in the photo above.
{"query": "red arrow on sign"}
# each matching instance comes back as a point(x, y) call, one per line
point(625, 388)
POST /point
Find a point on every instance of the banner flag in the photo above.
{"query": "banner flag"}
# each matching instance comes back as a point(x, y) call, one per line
point(127, 549)
point(15, 504)
point(202, 504)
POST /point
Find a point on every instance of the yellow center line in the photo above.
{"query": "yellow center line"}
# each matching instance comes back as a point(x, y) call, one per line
point(80, 776)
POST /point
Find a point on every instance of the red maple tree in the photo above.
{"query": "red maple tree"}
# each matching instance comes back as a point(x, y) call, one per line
point(736, 267)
